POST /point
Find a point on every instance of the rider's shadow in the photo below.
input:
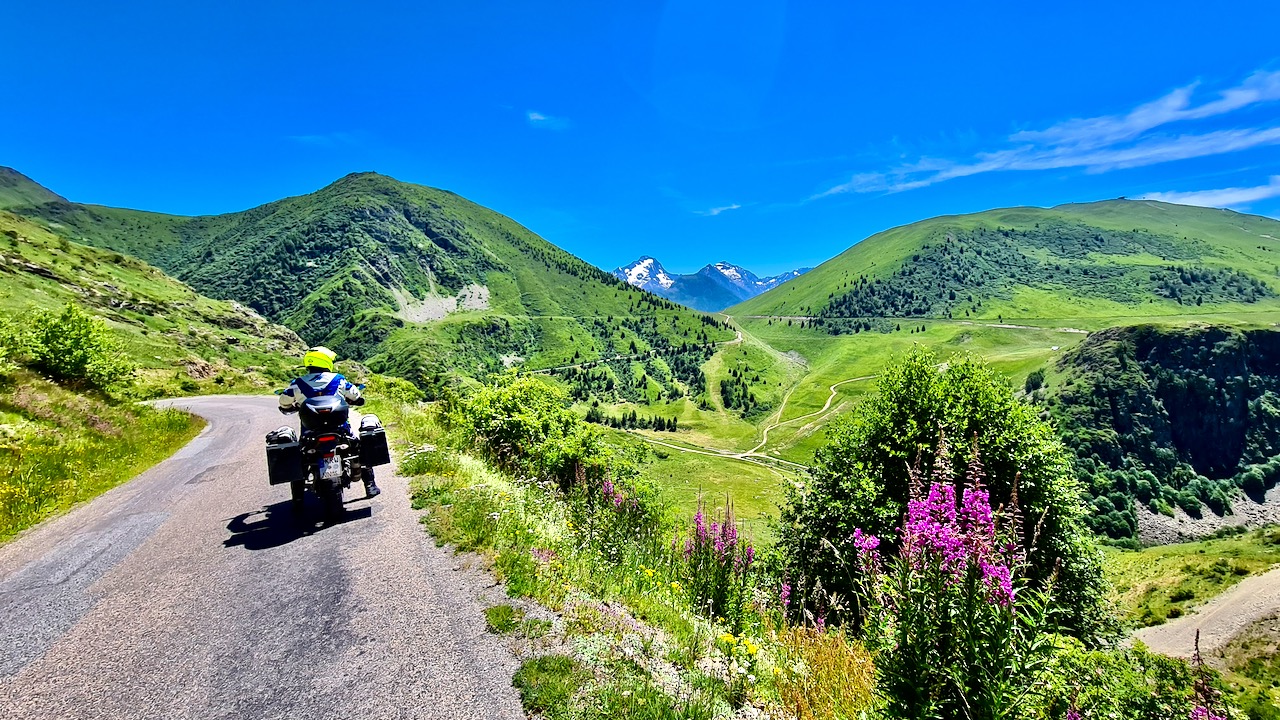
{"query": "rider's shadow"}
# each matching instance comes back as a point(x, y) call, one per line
point(277, 524)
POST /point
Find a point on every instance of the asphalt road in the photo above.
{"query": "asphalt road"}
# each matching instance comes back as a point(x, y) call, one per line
point(192, 592)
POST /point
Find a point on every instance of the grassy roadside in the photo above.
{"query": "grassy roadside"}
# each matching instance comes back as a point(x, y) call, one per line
point(601, 620)
point(59, 448)
point(1251, 666)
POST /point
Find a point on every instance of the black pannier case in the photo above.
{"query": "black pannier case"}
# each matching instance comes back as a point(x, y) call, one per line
point(373, 442)
point(284, 456)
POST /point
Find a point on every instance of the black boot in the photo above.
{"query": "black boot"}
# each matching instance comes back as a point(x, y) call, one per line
point(371, 489)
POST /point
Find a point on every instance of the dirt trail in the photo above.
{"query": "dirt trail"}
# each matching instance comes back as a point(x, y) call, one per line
point(827, 406)
point(1219, 620)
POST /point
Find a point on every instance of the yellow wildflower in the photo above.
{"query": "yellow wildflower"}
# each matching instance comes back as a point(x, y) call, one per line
point(729, 638)
point(675, 586)
point(648, 572)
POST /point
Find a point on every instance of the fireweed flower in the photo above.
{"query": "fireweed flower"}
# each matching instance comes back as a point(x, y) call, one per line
point(937, 535)
point(784, 594)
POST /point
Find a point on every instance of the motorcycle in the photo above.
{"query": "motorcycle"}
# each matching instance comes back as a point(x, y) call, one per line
point(325, 458)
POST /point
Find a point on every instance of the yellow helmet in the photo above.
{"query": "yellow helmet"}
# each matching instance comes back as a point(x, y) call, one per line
point(320, 357)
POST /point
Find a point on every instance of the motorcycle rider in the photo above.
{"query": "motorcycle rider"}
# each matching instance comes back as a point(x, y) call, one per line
point(321, 379)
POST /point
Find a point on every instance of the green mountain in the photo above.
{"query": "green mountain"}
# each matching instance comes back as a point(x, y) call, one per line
point(17, 190)
point(415, 281)
point(1170, 417)
point(182, 341)
point(1097, 260)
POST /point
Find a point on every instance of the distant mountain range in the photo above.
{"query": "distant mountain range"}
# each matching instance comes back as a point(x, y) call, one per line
point(714, 287)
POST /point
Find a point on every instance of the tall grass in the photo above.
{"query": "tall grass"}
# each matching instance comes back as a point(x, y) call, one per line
point(59, 448)
point(823, 674)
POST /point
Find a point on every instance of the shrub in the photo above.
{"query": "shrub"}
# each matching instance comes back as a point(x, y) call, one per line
point(1035, 380)
point(861, 480)
point(77, 349)
point(523, 424)
point(14, 345)
point(393, 388)
point(1132, 683)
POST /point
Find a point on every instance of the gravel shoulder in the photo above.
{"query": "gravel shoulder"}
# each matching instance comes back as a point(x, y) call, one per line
point(192, 592)
point(1219, 620)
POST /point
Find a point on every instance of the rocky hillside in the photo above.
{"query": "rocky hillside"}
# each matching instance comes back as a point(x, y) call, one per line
point(1167, 418)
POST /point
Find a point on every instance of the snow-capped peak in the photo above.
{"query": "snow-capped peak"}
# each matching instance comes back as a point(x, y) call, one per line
point(712, 288)
point(733, 272)
point(645, 273)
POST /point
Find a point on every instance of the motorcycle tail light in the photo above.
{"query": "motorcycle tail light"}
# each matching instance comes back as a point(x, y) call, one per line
point(327, 438)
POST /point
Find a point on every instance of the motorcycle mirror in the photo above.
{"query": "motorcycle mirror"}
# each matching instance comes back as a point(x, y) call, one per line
point(279, 392)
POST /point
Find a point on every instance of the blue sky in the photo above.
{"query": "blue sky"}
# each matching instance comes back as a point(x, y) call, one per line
point(770, 134)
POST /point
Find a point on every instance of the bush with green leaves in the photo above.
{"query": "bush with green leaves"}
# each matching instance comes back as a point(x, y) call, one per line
point(77, 349)
point(523, 424)
point(862, 476)
point(1131, 683)
point(14, 344)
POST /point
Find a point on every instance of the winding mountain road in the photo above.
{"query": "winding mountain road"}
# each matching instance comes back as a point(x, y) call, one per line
point(191, 592)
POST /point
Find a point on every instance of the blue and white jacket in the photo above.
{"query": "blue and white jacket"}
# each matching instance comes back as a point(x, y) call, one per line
point(316, 385)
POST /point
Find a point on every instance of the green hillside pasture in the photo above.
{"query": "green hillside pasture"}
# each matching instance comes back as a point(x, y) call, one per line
point(753, 365)
point(836, 359)
point(1164, 582)
point(690, 478)
point(698, 429)
point(368, 259)
point(183, 342)
point(1097, 259)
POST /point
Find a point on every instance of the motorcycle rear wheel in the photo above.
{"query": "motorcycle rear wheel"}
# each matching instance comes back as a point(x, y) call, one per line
point(330, 501)
point(298, 495)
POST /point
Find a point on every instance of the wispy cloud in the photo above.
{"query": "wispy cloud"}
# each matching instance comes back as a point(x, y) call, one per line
point(1236, 197)
point(712, 212)
point(1099, 144)
point(546, 122)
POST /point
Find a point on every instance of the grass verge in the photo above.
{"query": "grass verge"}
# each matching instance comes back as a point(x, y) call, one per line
point(59, 448)
point(626, 641)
